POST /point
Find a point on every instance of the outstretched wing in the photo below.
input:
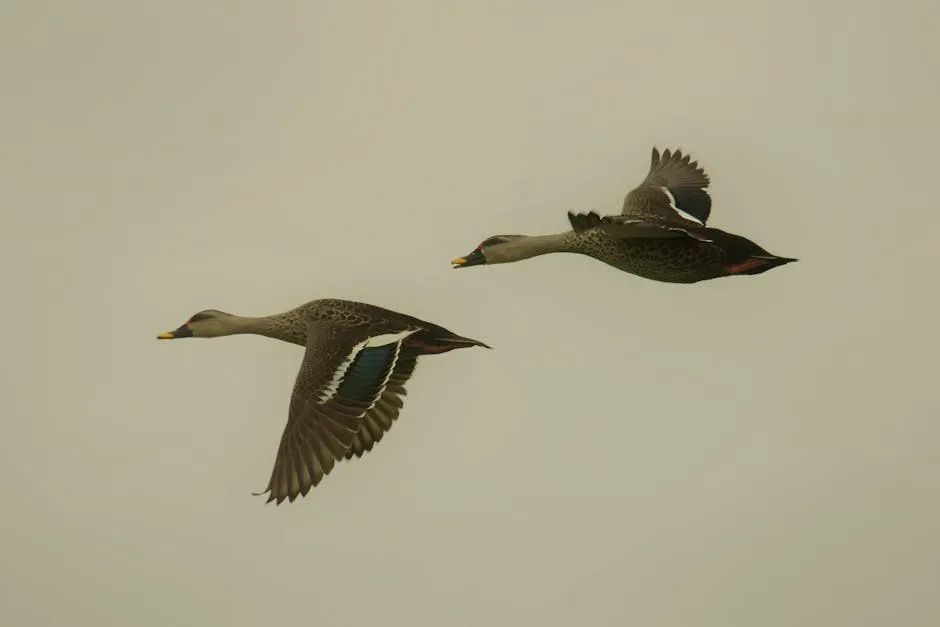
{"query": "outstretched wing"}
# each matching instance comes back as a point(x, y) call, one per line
point(340, 382)
point(674, 187)
point(670, 202)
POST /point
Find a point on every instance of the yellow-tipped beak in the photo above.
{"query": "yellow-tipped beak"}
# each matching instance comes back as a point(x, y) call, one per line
point(459, 261)
point(166, 336)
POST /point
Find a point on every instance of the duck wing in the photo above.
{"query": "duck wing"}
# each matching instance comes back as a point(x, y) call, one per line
point(349, 383)
point(670, 202)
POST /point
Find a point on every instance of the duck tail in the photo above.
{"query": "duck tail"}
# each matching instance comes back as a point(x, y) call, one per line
point(439, 340)
point(758, 264)
point(744, 255)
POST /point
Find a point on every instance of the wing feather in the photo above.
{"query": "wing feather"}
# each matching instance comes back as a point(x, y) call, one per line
point(674, 187)
point(340, 390)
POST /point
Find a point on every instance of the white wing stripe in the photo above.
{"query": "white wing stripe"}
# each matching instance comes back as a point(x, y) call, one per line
point(388, 338)
point(376, 340)
point(672, 205)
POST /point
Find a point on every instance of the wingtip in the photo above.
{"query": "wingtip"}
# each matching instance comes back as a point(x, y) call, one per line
point(268, 492)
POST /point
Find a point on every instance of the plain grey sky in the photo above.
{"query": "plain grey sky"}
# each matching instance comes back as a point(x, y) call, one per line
point(756, 451)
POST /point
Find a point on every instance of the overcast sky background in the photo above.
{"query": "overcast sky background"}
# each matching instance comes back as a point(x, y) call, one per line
point(751, 451)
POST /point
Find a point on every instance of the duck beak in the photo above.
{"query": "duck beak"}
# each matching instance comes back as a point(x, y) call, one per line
point(183, 331)
point(475, 258)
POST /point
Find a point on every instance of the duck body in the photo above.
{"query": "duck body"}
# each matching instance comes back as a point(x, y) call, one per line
point(660, 234)
point(670, 260)
point(350, 386)
point(346, 317)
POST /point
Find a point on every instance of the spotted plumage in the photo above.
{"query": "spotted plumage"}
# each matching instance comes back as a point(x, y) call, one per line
point(660, 234)
point(351, 383)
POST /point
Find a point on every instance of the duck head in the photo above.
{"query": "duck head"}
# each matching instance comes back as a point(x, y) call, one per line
point(494, 249)
point(206, 323)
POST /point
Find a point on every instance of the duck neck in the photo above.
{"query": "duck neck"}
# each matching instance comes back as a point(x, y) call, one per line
point(536, 245)
point(278, 327)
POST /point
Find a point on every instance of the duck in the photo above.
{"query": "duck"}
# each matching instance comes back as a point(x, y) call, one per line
point(660, 234)
point(351, 383)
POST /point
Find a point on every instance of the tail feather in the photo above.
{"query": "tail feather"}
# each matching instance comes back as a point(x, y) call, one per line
point(758, 264)
point(745, 256)
point(440, 340)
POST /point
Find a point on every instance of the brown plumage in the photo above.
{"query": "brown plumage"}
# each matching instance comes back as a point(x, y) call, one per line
point(351, 383)
point(660, 234)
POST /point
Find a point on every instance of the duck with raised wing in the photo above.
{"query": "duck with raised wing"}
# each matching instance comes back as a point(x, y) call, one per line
point(660, 233)
point(352, 378)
